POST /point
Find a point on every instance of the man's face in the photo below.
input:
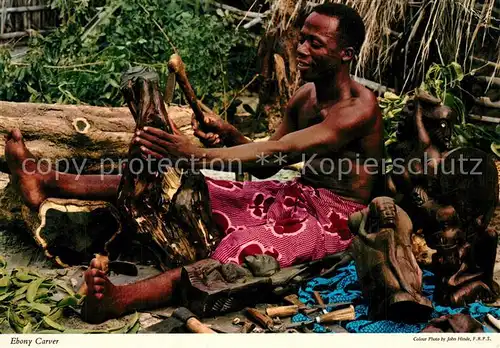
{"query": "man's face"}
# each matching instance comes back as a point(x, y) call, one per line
point(319, 53)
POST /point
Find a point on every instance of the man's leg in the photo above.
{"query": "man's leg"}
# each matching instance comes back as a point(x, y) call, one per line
point(36, 182)
point(105, 300)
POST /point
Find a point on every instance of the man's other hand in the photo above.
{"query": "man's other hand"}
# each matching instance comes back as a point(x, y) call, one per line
point(212, 131)
point(159, 144)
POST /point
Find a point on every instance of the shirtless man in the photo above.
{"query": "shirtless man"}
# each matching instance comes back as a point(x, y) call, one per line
point(332, 123)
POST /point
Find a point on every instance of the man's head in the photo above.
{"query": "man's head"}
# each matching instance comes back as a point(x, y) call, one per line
point(330, 38)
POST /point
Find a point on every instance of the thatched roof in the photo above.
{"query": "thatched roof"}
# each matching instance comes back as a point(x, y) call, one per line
point(455, 27)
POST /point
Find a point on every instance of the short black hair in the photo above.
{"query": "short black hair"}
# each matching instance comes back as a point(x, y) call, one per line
point(351, 26)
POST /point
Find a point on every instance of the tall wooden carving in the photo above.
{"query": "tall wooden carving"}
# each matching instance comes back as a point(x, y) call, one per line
point(165, 208)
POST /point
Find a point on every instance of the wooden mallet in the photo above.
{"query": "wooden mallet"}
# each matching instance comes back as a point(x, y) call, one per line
point(176, 66)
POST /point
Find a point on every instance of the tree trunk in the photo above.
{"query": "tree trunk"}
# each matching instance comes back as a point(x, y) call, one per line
point(82, 134)
point(278, 68)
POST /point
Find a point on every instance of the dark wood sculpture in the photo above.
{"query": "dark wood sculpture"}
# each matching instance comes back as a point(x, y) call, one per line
point(390, 277)
point(457, 219)
point(451, 195)
point(167, 209)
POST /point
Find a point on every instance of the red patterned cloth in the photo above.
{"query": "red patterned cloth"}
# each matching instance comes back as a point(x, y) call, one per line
point(291, 221)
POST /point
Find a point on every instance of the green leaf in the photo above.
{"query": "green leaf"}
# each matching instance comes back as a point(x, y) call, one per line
point(21, 290)
point(18, 298)
point(68, 301)
point(38, 307)
point(56, 314)
point(6, 295)
point(135, 328)
point(495, 148)
point(458, 72)
point(4, 282)
point(3, 263)
point(33, 289)
point(66, 288)
point(27, 329)
point(32, 90)
point(52, 324)
point(24, 277)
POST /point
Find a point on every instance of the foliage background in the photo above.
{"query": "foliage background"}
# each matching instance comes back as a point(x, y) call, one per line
point(82, 60)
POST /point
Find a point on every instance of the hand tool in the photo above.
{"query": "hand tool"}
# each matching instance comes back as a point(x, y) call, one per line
point(262, 319)
point(282, 311)
point(294, 300)
point(318, 298)
point(494, 322)
point(176, 65)
point(246, 326)
point(344, 314)
point(303, 308)
point(191, 321)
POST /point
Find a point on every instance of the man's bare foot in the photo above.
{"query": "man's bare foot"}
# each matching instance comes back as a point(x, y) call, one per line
point(103, 299)
point(24, 172)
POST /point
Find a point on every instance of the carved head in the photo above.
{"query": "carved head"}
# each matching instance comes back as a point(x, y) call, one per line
point(438, 121)
point(444, 230)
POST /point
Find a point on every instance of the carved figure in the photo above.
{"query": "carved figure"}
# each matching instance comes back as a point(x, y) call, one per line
point(390, 277)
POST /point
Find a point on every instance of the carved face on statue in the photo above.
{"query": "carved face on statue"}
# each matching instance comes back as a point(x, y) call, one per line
point(444, 231)
point(439, 121)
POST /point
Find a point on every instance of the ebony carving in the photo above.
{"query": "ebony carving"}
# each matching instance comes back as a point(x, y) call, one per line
point(166, 209)
point(451, 195)
point(390, 277)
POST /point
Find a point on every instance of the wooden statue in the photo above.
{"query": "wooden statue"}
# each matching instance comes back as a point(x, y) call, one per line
point(390, 277)
point(451, 195)
point(457, 219)
point(167, 209)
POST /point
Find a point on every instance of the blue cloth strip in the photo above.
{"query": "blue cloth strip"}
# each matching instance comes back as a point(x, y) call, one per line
point(344, 287)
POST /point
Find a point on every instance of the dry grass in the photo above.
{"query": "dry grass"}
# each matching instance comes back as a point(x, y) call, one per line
point(453, 24)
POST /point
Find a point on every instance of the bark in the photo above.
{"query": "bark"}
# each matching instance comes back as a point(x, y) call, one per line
point(89, 228)
point(82, 134)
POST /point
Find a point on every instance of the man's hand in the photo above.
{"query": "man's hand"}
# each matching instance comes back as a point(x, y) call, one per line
point(213, 131)
point(159, 144)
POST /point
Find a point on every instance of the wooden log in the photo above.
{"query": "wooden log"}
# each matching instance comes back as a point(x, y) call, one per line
point(84, 134)
point(90, 227)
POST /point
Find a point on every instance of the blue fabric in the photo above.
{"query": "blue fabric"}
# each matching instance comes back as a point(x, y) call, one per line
point(344, 287)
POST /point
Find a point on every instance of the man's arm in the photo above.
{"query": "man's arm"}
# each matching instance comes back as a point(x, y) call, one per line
point(343, 122)
point(287, 126)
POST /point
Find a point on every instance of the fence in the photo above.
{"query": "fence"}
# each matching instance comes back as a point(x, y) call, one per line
point(18, 18)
